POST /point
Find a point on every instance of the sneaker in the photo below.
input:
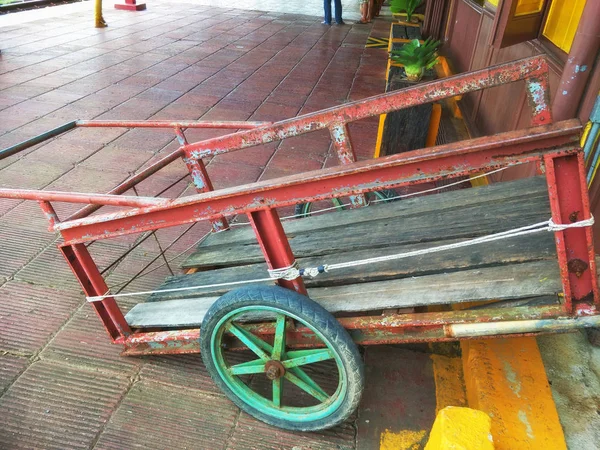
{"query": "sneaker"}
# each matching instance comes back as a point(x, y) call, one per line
point(325, 23)
point(340, 23)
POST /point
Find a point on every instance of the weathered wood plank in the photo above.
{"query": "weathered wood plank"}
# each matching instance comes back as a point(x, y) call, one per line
point(502, 282)
point(413, 32)
point(531, 279)
point(400, 32)
point(405, 129)
point(411, 207)
point(510, 251)
point(457, 223)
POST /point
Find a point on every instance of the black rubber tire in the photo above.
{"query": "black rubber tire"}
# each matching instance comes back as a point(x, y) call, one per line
point(385, 195)
point(302, 210)
point(315, 315)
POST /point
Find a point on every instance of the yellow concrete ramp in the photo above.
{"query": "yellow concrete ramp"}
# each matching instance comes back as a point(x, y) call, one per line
point(506, 379)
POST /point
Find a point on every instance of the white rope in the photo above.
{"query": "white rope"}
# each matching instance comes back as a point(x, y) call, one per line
point(292, 271)
point(288, 273)
point(162, 291)
point(548, 225)
point(560, 227)
point(438, 188)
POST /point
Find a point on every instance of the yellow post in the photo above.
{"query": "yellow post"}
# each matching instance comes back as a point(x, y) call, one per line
point(99, 20)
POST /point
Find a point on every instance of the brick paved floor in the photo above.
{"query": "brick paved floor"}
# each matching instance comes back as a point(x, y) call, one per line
point(63, 385)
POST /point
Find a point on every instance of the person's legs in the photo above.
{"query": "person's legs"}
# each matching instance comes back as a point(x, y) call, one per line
point(327, 8)
point(378, 4)
point(364, 10)
point(370, 10)
point(338, 11)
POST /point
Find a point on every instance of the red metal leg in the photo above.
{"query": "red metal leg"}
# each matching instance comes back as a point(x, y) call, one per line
point(275, 245)
point(131, 5)
point(79, 259)
point(570, 203)
point(50, 214)
point(343, 146)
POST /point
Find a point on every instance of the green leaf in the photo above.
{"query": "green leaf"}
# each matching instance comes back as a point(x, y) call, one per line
point(416, 56)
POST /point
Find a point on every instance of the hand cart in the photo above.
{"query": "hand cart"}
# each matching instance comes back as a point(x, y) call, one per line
point(293, 361)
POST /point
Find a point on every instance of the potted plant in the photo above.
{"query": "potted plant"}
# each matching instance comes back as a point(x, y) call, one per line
point(416, 57)
point(407, 6)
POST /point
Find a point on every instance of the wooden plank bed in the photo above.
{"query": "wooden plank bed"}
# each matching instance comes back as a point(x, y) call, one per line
point(516, 271)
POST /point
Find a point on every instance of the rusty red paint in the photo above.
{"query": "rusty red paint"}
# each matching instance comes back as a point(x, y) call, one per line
point(202, 183)
point(85, 270)
point(366, 330)
point(153, 168)
point(78, 197)
point(538, 96)
point(235, 125)
point(275, 246)
point(535, 68)
point(163, 342)
point(569, 200)
point(342, 143)
point(340, 136)
point(50, 214)
point(404, 169)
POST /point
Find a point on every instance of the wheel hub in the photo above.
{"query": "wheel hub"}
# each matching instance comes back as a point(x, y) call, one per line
point(274, 370)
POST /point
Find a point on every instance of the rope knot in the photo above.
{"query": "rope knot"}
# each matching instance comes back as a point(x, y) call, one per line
point(580, 224)
point(288, 273)
point(313, 271)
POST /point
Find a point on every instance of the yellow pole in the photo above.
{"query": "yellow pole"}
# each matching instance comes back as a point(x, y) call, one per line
point(100, 23)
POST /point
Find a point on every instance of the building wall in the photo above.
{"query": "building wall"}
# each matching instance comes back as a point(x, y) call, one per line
point(468, 43)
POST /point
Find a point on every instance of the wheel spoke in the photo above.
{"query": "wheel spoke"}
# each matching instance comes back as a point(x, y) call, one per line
point(302, 357)
point(279, 341)
point(255, 344)
point(304, 382)
point(277, 391)
point(255, 366)
point(338, 203)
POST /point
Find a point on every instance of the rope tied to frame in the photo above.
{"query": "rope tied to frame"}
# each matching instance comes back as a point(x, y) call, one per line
point(548, 225)
point(288, 273)
point(293, 271)
point(580, 224)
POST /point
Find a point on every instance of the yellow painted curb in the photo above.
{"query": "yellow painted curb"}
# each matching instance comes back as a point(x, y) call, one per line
point(402, 440)
point(449, 387)
point(506, 379)
point(458, 428)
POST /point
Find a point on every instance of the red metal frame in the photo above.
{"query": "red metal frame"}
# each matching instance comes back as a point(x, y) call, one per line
point(556, 145)
point(569, 202)
point(274, 244)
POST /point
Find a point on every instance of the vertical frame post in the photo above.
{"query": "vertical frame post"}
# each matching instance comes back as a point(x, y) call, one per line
point(569, 202)
point(275, 245)
point(79, 259)
point(345, 152)
point(538, 96)
point(50, 213)
point(200, 178)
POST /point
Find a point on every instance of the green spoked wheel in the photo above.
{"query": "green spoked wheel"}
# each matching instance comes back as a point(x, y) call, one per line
point(296, 389)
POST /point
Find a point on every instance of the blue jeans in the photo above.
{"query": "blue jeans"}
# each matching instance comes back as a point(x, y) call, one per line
point(338, 10)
